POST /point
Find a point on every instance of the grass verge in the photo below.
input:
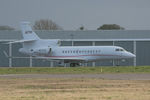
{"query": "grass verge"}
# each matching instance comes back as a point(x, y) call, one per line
point(76, 70)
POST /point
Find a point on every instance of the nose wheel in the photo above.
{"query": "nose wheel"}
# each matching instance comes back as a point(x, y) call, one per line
point(118, 63)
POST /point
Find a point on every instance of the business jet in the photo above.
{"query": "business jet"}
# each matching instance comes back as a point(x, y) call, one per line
point(51, 50)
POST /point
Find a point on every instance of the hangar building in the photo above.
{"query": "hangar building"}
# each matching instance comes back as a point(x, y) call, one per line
point(135, 41)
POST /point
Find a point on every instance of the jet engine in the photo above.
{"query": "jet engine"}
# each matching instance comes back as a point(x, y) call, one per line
point(43, 51)
point(37, 51)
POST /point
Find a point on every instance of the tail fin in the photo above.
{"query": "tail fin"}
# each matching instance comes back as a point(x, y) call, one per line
point(27, 31)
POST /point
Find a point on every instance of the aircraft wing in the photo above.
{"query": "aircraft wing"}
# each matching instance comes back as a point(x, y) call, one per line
point(20, 41)
point(66, 59)
point(69, 59)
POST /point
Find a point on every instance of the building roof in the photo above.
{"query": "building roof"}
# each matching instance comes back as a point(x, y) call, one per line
point(79, 35)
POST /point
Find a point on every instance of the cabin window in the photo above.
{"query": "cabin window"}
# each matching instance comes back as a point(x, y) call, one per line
point(73, 51)
point(96, 51)
point(77, 51)
point(82, 51)
point(86, 51)
point(91, 51)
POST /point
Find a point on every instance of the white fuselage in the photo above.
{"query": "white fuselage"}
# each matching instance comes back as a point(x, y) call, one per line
point(83, 53)
point(90, 53)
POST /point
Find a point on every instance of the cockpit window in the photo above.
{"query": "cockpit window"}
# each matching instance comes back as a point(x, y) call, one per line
point(119, 49)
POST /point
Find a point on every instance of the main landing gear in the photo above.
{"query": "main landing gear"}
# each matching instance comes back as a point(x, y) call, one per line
point(74, 64)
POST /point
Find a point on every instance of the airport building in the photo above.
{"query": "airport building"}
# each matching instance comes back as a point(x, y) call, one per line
point(135, 41)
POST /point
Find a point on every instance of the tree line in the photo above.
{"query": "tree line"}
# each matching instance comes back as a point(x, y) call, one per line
point(47, 24)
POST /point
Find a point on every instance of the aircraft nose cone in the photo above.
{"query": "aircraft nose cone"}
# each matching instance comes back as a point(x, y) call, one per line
point(132, 55)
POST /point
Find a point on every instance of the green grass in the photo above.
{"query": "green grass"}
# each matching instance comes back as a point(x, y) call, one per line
point(76, 70)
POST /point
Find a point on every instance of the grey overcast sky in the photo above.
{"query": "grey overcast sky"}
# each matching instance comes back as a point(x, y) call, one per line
point(71, 14)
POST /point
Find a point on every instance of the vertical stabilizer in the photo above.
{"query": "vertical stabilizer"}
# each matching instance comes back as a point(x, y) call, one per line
point(27, 31)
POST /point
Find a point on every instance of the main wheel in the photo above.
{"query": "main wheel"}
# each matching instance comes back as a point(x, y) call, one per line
point(74, 64)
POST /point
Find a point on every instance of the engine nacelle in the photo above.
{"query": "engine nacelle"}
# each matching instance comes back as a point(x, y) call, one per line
point(38, 51)
point(43, 51)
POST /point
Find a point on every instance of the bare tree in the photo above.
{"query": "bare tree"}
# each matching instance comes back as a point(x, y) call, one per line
point(46, 24)
point(6, 28)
